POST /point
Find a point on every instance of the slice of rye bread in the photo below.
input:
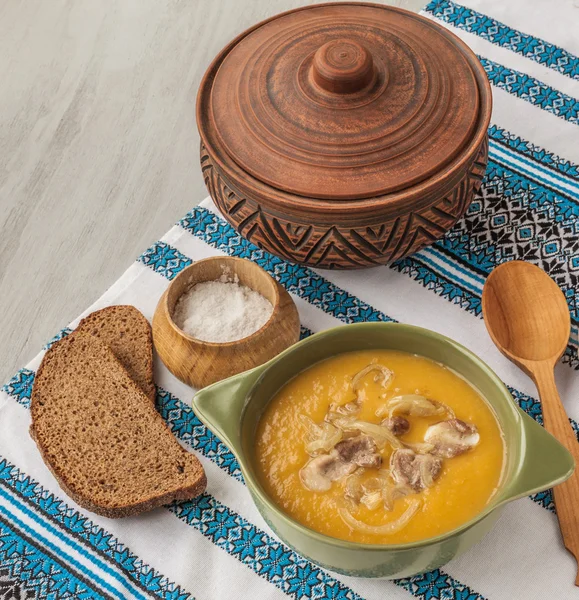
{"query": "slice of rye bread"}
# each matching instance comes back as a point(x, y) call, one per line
point(101, 437)
point(128, 334)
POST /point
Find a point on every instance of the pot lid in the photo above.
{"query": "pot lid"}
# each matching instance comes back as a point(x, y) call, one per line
point(345, 101)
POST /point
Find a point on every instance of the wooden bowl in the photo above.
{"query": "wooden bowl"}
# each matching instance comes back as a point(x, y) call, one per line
point(344, 135)
point(199, 363)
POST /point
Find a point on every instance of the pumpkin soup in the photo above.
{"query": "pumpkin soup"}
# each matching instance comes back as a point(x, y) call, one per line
point(378, 447)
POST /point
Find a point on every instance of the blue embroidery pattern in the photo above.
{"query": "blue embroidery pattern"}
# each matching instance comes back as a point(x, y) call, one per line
point(434, 585)
point(81, 527)
point(34, 571)
point(439, 284)
point(61, 334)
point(532, 90)
point(512, 217)
point(165, 259)
point(20, 386)
point(453, 292)
point(288, 571)
point(563, 202)
point(533, 407)
point(291, 573)
point(526, 148)
point(545, 499)
point(498, 33)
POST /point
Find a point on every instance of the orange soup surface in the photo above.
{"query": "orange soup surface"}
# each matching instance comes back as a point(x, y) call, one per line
point(460, 489)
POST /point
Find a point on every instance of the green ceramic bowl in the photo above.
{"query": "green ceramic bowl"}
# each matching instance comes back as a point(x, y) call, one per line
point(535, 460)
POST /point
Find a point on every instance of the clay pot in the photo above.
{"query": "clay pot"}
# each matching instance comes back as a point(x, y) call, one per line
point(344, 135)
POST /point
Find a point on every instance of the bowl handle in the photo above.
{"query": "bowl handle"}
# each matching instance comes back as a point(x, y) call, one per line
point(220, 406)
point(545, 462)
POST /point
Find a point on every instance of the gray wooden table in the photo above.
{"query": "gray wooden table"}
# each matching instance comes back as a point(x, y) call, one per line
point(98, 144)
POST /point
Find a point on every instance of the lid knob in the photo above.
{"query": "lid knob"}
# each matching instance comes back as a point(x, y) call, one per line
point(343, 66)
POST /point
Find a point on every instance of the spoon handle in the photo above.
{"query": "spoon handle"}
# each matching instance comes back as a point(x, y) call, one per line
point(566, 495)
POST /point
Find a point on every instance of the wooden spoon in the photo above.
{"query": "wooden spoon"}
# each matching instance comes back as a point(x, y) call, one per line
point(528, 319)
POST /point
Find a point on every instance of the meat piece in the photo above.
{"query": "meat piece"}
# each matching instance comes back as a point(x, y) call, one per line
point(346, 456)
point(360, 450)
point(415, 470)
point(397, 425)
point(451, 438)
point(319, 473)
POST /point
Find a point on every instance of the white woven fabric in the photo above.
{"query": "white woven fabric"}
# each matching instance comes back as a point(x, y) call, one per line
point(219, 546)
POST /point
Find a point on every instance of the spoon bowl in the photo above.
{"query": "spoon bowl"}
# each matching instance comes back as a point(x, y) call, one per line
point(514, 291)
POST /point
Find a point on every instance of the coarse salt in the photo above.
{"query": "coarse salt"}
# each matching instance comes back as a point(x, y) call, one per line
point(221, 311)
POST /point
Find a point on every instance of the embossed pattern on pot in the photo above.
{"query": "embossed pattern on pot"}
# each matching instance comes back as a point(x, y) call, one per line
point(345, 247)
